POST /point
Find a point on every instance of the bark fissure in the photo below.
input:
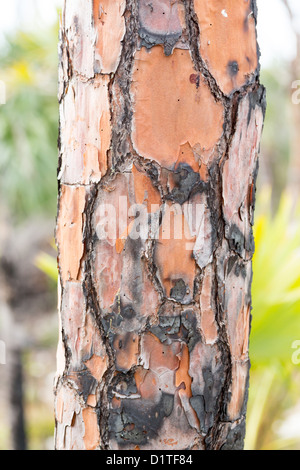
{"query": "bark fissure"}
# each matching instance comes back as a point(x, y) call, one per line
point(194, 40)
point(122, 114)
point(93, 304)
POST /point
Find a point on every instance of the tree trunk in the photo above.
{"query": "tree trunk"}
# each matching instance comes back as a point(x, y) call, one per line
point(16, 401)
point(161, 114)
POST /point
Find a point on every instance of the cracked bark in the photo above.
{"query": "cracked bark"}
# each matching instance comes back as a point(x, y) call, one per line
point(161, 106)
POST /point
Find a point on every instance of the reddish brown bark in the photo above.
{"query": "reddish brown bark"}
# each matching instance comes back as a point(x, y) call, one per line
point(161, 106)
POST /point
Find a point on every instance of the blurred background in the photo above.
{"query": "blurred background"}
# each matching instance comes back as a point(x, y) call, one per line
point(28, 189)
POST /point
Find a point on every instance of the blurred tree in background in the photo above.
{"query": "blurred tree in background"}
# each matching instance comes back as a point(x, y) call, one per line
point(29, 124)
point(274, 406)
point(28, 189)
point(275, 325)
point(28, 135)
point(275, 152)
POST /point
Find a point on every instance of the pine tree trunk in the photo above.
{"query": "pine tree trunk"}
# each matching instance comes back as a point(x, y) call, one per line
point(161, 114)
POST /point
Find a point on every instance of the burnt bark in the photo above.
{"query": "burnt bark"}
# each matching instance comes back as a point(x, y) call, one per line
point(160, 106)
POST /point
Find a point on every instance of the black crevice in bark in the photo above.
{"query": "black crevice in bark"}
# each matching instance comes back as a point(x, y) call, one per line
point(256, 93)
point(92, 304)
point(211, 439)
point(253, 8)
point(215, 203)
point(122, 112)
point(193, 30)
point(67, 351)
point(199, 63)
point(235, 436)
point(121, 148)
point(66, 66)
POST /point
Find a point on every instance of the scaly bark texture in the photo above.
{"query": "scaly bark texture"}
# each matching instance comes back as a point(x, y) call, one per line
point(160, 105)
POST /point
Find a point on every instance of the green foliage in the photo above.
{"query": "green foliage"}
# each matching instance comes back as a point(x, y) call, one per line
point(275, 325)
point(276, 283)
point(48, 265)
point(29, 124)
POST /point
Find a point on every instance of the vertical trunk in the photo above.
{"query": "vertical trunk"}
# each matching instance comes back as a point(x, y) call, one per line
point(16, 398)
point(161, 115)
point(11, 348)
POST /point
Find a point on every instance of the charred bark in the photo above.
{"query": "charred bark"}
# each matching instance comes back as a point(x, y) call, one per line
point(160, 106)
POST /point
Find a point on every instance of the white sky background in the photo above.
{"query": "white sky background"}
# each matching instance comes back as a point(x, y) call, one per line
point(276, 38)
